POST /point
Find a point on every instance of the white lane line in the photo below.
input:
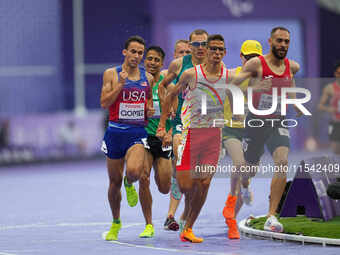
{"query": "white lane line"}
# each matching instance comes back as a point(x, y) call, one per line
point(64, 224)
point(5, 253)
point(147, 246)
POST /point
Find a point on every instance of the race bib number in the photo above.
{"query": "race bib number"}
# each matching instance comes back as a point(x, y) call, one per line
point(131, 111)
point(266, 102)
point(157, 109)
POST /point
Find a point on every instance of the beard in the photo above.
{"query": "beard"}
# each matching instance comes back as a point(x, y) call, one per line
point(278, 54)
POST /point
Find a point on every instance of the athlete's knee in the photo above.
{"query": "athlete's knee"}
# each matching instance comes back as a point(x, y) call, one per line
point(133, 174)
point(144, 180)
point(206, 182)
point(164, 187)
point(185, 186)
point(115, 182)
point(281, 161)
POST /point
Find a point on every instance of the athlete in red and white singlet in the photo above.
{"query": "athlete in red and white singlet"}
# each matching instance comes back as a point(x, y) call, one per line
point(275, 70)
point(192, 80)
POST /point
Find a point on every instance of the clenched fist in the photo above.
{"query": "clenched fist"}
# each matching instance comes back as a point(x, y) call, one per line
point(123, 76)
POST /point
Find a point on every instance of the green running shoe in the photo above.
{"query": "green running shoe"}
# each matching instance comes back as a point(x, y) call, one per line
point(131, 194)
point(112, 235)
point(148, 232)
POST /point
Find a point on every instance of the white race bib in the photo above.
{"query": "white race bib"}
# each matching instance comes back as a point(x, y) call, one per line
point(157, 109)
point(131, 111)
point(266, 102)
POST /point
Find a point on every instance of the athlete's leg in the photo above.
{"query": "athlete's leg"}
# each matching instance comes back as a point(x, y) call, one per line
point(134, 162)
point(176, 198)
point(163, 171)
point(144, 189)
point(198, 199)
point(176, 195)
point(115, 171)
point(235, 151)
point(239, 203)
point(280, 157)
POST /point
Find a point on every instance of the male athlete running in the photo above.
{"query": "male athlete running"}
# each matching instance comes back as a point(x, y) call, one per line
point(182, 48)
point(198, 42)
point(201, 140)
point(157, 156)
point(279, 71)
point(126, 93)
point(233, 134)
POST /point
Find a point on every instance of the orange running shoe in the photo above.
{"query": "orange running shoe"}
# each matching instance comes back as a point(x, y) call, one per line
point(188, 235)
point(233, 230)
point(229, 209)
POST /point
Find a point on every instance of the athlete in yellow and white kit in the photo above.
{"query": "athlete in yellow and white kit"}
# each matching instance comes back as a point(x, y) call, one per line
point(232, 135)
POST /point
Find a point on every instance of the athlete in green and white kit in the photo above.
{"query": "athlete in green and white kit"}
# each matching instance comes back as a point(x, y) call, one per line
point(157, 156)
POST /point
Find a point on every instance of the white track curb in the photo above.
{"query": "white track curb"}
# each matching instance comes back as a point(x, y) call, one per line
point(285, 237)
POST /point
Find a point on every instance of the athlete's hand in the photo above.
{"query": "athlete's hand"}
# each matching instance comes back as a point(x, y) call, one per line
point(161, 133)
point(263, 85)
point(150, 112)
point(167, 140)
point(122, 77)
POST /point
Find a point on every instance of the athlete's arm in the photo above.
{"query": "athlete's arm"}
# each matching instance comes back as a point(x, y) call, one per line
point(150, 111)
point(173, 71)
point(112, 85)
point(186, 77)
point(175, 102)
point(294, 67)
point(250, 69)
point(327, 93)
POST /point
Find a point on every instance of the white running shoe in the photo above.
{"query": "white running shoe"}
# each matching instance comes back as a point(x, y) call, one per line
point(273, 225)
point(247, 195)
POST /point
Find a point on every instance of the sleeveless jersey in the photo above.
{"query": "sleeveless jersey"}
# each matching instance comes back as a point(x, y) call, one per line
point(335, 101)
point(191, 111)
point(263, 100)
point(153, 122)
point(186, 64)
point(130, 105)
point(239, 123)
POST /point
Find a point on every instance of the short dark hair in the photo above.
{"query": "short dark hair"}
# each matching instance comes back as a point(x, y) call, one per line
point(158, 50)
point(278, 28)
point(135, 38)
point(181, 41)
point(215, 37)
point(337, 65)
point(198, 32)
